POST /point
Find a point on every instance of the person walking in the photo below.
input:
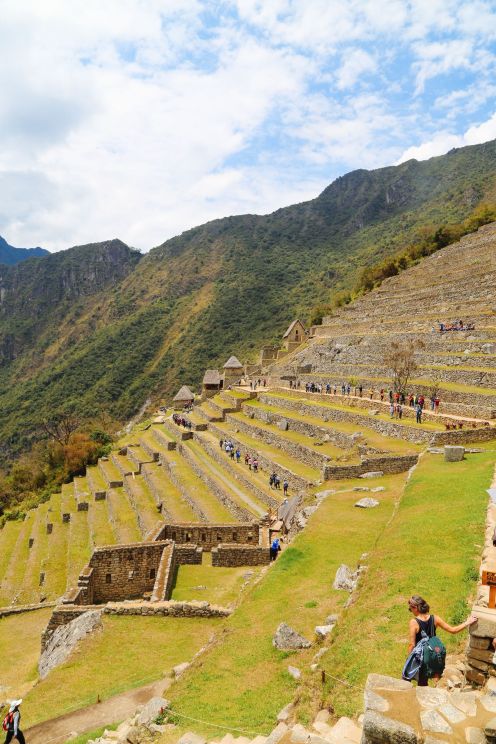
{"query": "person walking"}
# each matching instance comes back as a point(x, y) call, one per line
point(274, 549)
point(238, 455)
point(418, 413)
point(422, 620)
point(12, 723)
point(285, 487)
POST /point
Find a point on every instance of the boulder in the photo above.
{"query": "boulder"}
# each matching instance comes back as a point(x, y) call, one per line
point(360, 488)
point(474, 735)
point(367, 503)
point(345, 578)
point(151, 710)
point(490, 728)
point(345, 731)
point(299, 734)
point(377, 489)
point(294, 672)
point(376, 702)
point(453, 453)
point(64, 638)
point(372, 474)
point(276, 735)
point(322, 631)
point(180, 668)
point(485, 627)
point(285, 713)
point(378, 729)
point(287, 639)
point(283, 425)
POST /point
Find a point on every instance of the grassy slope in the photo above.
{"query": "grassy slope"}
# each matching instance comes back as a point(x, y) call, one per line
point(20, 663)
point(243, 682)
point(130, 652)
point(431, 548)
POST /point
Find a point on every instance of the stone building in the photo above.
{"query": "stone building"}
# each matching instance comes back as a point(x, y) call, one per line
point(233, 372)
point(211, 383)
point(294, 336)
point(183, 398)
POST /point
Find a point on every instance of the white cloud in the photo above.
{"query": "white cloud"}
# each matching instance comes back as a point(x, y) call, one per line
point(356, 63)
point(444, 141)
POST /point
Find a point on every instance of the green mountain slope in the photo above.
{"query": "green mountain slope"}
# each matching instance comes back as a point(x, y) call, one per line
point(99, 327)
point(10, 255)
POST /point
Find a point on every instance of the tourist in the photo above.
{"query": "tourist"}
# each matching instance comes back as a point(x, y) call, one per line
point(432, 400)
point(391, 410)
point(343, 389)
point(231, 452)
point(410, 400)
point(274, 549)
point(418, 413)
point(247, 458)
point(271, 480)
point(238, 455)
point(399, 409)
point(12, 721)
point(221, 443)
point(390, 396)
point(382, 394)
point(423, 621)
point(334, 390)
point(277, 482)
point(348, 389)
point(360, 389)
point(255, 464)
point(436, 404)
point(285, 487)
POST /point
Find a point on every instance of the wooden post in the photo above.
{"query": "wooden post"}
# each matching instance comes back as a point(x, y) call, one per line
point(489, 579)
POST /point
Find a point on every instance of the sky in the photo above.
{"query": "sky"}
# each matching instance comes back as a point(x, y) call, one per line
point(139, 119)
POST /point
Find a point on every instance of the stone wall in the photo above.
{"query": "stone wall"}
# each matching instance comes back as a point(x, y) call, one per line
point(240, 555)
point(19, 609)
point(464, 436)
point(391, 464)
point(210, 535)
point(168, 609)
point(344, 441)
point(386, 428)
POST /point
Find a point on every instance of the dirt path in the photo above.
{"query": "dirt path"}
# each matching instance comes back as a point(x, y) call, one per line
point(113, 710)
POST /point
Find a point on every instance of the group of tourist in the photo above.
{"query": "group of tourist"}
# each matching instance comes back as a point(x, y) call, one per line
point(254, 384)
point(251, 461)
point(182, 421)
point(457, 325)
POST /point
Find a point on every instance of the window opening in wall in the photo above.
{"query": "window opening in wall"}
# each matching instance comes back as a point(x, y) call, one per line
point(174, 536)
point(219, 538)
point(130, 574)
point(152, 573)
point(235, 536)
point(204, 537)
point(188, 537)
point(108, 578)
point(249, 537)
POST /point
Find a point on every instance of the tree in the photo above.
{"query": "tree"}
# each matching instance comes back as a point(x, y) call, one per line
point(401, 362)
point(61, 428)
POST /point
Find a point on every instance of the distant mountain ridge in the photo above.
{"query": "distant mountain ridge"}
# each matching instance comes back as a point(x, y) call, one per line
point(10, 256)
point(102, 328)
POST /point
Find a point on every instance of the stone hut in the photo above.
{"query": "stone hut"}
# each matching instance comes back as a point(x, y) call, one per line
point(233, 372)
point(212, 383)
point(294, 336)
point(183, 398)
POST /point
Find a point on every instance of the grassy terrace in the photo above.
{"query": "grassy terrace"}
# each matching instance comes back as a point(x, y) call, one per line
point(124, 464)
point(55, 561)
point(174, 502)
point(259, 479)
point(216, 585)
point(96, 479)
point(123, 516)
point(102, 531)
point(426, 425)
point(130, 652)
point(110, 471)
point(296, 589)
point(19, 670)
point(432, 548)
point(373, 438)
point(79, 547)
point(12, 578)
point(145, 503)
point(28, 587)
point(326, 448)
point(239, 495)
point(197, 490)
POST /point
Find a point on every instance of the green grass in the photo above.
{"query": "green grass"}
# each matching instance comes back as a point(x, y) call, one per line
point(144, 501)
point(216, 585)
point(55, 561)
point(102, 532)
point(431, 548)
point(92, 735)
point(79, 549)
point(179, 509)
point(12, 578)
point(20, 638)
point(129, 653)
point(124, 516)
point(243, 681)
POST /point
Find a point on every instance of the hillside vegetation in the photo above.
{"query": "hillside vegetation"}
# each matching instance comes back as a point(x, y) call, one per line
point(100, 328)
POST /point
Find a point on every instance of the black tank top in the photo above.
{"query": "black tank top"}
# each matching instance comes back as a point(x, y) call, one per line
point(428, 626)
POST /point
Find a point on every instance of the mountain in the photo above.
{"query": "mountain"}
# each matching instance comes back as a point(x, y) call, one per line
point(10, 255)
point(103, 328)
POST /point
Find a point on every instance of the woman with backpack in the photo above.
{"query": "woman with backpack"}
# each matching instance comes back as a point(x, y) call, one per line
point(11, 723)
point(423, 625)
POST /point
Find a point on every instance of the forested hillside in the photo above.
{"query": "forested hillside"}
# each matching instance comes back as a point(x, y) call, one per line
point(101, 328)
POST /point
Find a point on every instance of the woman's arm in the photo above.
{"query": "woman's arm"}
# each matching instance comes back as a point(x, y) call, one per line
point(440, 623)
point(412, 632)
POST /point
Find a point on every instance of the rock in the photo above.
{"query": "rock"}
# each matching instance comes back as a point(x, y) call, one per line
point(324, 494)
point(283, 425)
point(383, 682)
point(345, 731)
point(299, 734)
point(314, 667)
point(360, 488)
point(322, 716)
point(285, 713)
point(485, 626)
point(452, 714)
point(377, 489)
point(180, 668)
point(372, 474)
point(474, 735)
point(431, 697)
point(488, 702)
point(345, 578)
point(323, 729)
point(294, 672)
point(151, 710)
point(331, 619)
point(432, 721)
point(276, 735)
point(322, 631)
point(465, 701)
point(64, 639)
point(491, 686)
point(367, 503)
point(191, 738)
point(287, 639)
point(490, 728)
point(453, 453)
point(373, 701)
point(378, 729)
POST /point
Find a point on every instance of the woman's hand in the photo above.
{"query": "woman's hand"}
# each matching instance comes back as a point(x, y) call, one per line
point(471, 620)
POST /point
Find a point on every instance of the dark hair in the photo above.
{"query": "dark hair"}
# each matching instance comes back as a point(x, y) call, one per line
point(420, 603)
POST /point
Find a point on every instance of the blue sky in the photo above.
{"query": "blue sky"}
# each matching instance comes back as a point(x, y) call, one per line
point(139, 119)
